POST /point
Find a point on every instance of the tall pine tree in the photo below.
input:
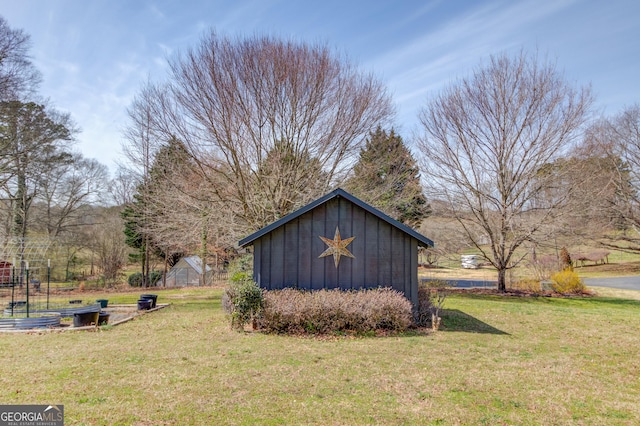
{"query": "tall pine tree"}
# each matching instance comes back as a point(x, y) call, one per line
point(387, 177)
point(139, 215)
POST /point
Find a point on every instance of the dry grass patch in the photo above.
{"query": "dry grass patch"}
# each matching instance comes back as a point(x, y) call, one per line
point(609, 269)
point(483, 273)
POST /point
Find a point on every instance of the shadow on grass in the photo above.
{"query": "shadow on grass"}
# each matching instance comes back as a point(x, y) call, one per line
point(455, 320)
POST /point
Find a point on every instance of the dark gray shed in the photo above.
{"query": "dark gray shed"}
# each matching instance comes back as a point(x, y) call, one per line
point(337, 241)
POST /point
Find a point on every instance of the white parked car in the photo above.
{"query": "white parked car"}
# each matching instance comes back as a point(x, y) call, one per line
point(470, 261)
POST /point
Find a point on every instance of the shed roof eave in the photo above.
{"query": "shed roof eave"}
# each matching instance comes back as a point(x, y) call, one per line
point(339, 192)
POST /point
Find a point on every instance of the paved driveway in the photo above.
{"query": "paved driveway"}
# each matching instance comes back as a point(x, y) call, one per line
point(625, 283)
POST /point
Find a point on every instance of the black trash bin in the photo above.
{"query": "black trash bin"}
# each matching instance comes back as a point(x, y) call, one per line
point(152, 297)
point(144, 304)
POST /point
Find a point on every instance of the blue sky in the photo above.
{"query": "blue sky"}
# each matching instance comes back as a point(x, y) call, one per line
point(95, 54)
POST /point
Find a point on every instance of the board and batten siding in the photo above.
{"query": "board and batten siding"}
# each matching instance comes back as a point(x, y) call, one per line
point(385, 255)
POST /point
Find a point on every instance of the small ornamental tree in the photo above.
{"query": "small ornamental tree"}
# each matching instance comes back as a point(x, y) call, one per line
point(565, 259)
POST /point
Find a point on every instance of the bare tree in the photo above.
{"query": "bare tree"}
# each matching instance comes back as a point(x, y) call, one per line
point(35, 139)
point(486, 140)
point(140, 148)
point(18, 77)
point(618, 138)
point(232, 102)
point(123, 186)
point(65, 189)
point(110, 247)
point(186, 217)
point(598, 182)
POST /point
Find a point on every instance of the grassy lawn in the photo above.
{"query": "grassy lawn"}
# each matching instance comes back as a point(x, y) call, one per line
point(497, 361)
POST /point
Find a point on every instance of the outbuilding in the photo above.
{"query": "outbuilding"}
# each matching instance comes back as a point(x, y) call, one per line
point(187, 272)
point(337, 241)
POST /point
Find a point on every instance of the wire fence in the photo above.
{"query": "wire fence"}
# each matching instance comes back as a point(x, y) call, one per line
point(28, 289)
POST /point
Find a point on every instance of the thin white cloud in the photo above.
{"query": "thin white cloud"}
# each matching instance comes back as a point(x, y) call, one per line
point(168, 50)
point(494, 24)
point(156, 12)
point(450, 51)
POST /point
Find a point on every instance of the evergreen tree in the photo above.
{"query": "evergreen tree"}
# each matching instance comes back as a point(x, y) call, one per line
point(133, 225)
point(138, 215)
point(387, 177)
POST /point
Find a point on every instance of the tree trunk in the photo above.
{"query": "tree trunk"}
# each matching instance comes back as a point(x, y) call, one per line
point(203, 255)
point(502, 285)
point(166, 266)
point(146, 262)
point(20, 208)
point(143, 263)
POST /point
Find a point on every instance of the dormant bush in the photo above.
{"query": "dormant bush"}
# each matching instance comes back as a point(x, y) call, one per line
point(431, 297)
point(565, 259)
point(422, 314)
point(331, 311)
point(527, 284)
point(135, 279)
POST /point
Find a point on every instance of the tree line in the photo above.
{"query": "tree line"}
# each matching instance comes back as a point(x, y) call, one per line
point(47, 189)
point(243, 131)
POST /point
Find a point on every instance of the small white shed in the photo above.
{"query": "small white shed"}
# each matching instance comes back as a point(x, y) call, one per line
point(187, 273)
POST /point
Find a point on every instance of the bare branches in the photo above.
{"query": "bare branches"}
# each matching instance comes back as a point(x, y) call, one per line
point(66, 189)
point(235, 103)
point(18, 77)
point(485, 142)
point(123, 186)
point(618, 139)
point(35, 139)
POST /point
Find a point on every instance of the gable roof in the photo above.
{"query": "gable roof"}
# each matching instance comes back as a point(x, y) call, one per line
point(196, 263)
point(337, 193)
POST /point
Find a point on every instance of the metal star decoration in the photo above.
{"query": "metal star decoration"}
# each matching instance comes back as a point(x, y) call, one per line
point(337, 247)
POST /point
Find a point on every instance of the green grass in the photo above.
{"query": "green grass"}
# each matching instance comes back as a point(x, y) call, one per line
point(497, 360)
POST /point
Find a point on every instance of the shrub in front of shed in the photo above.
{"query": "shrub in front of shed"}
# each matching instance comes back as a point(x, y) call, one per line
point(334, 311)
point(243, 299)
